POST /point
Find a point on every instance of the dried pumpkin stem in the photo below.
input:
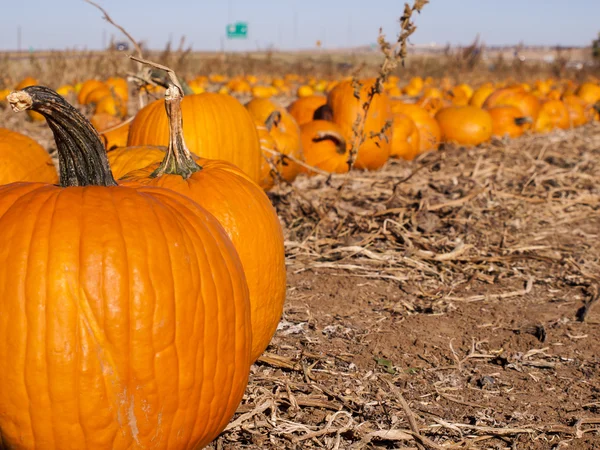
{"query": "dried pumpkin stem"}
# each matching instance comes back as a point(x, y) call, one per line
point(523, 120)
point(273, 120)
point(179, 159)
point(81, 154)
point(337, 138)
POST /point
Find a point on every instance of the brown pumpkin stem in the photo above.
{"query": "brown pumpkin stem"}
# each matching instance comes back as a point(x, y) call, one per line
point(337, 138)
point(81, 154)
point(273, 120)
point(179, 159)
point(323, 112)
point(523, 120)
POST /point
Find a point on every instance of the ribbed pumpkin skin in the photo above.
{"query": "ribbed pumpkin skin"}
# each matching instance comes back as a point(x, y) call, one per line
point(126, 325)
point(216, 126)
point(23, 159)
point(246, 214)
point(374, 152)
point(123, 160)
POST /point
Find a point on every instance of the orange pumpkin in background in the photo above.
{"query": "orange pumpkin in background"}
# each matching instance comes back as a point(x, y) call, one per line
point(430, 134)
point(303, 108)
point(23, 159)
point(553, 114)
point(346, 107)
point(528, 104)
point(508, 121)
point(324, 147)
point(285, 132)
point(465, 125)
point(217, 127)
point(405, 137)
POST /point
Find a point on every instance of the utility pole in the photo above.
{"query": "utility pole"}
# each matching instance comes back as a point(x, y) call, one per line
point(19, 38)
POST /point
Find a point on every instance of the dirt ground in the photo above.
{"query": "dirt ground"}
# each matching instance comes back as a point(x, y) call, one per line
point(441, 303)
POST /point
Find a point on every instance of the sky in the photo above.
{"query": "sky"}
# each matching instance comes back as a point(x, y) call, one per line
point(295, 24)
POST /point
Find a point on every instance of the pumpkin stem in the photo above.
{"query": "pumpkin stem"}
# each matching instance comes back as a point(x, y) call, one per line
point(81, 154)
point(273, 120)
point(337, 138)
point(179, 159)
point(522, 120)
point(323, 112)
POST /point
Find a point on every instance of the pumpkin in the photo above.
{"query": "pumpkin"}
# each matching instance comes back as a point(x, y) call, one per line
point(268, 146)
point(97, 94)
point(465, 125)
point(324, 147)
point(508, 121)
point(405, 137)
point(119, 88)
point(217, 127)
point(26, 82)
point(23, 159)
point(589, 92)
point(348, 107)
point(579, 112)
point(241, 207)
point(517, 96)
point(553, 114)
point(128, 319)
point(432, 104)
point(124, 160)
point(110, 104)
point(430, 133)
point(481, 94)
point(285, 132)
point(304, 107)
point(87, 87)
point(115, 136)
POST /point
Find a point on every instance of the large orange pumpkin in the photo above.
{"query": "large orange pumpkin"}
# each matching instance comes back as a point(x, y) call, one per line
point(324, 147)
point(430, 133)
point(271, 161)
point(508, 121)
point(465, 125)
point(346, 100)
point(23, 159)
point(285, 132)
point(405, 137)
point(126, 325)
point(304, 107)
point(217, 127)
point(241, 207)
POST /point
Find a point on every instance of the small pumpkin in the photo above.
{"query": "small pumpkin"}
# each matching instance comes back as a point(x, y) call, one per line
point(481, 94)
point(346, 100)
point(324, 147)
point(23, 159)
point(430, 134)
point(465, 125)
point(517, 96)
point(553, 114)
point(285, 132)
point(135, 303)
point(303, 108)
point(405, 137)
point(508, 121)
point(579, 111)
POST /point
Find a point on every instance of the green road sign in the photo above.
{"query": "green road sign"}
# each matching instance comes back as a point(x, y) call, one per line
point(238, 30)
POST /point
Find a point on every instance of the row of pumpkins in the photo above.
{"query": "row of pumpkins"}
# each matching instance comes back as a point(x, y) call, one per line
point(317, 130)
point(133, 309)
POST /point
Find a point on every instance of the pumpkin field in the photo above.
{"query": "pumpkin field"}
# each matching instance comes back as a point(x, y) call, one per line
point(304, 250)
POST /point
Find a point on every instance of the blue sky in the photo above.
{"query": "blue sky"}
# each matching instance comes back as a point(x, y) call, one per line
point(289, 24)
